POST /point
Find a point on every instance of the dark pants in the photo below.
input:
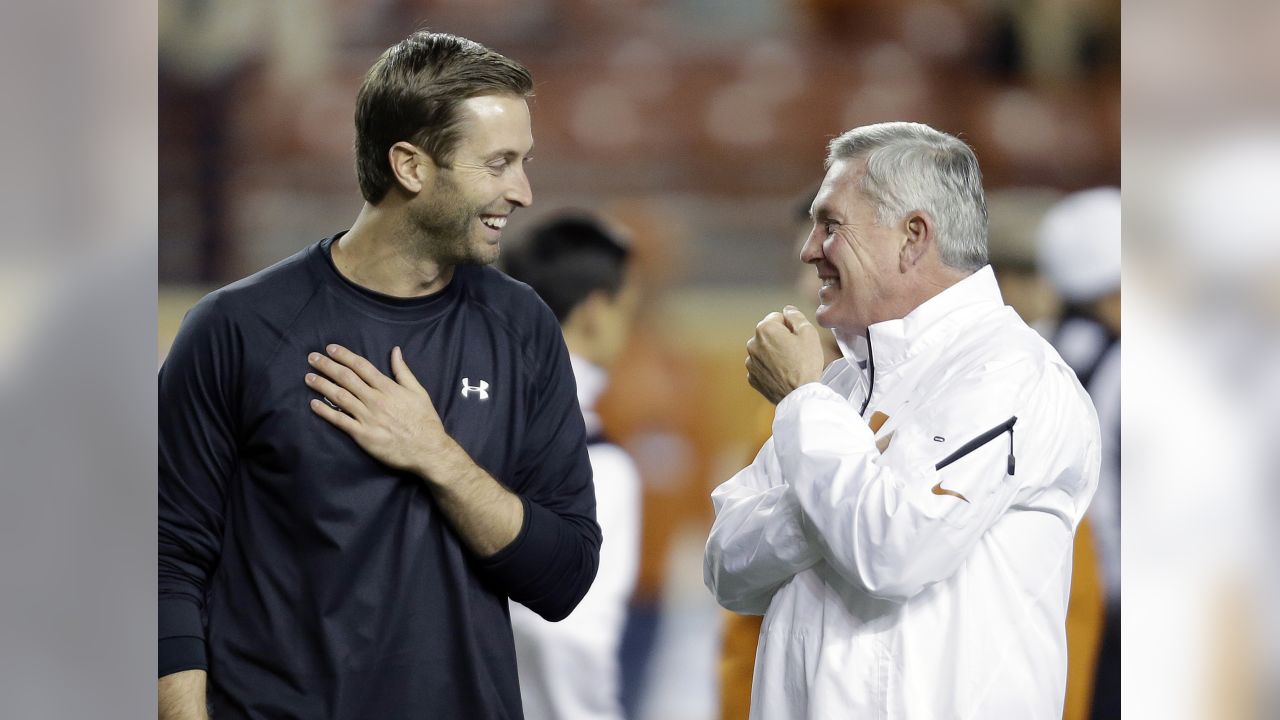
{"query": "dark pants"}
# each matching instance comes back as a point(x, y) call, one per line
point(1106, 684)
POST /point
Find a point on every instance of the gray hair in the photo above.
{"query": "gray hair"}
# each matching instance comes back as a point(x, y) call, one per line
point(911, 166)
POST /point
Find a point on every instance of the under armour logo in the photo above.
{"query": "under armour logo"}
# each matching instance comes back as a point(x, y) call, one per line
point(468, 388)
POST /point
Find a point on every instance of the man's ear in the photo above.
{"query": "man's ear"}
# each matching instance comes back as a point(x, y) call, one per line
point(918, 238)
point(412, 168)
point(593, 311)
point(580, 327)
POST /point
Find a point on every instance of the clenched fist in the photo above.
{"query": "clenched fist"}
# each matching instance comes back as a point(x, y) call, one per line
point(784, 354)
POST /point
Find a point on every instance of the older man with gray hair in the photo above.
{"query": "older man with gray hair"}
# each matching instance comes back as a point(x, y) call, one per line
point(909, 559)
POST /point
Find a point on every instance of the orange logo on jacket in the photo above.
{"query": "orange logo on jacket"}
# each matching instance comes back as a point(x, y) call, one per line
point(939, 490)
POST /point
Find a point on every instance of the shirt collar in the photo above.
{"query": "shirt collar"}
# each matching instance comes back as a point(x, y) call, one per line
point(591, 379)
point(934, 321)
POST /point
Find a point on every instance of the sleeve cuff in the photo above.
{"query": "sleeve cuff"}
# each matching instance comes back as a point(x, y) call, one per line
point(181, 653)
point(181, 637)
point(548, 567)
point(790, 404)
point(513, 565)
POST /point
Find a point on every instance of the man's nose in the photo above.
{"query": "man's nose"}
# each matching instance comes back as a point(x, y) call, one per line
point(519, 192)
point(811, 251)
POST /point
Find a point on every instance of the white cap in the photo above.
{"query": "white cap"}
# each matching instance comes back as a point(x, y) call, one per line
point(1078, 245)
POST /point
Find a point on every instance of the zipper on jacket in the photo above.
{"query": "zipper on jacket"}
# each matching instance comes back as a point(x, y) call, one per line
point(983, 439)
point(871, 374)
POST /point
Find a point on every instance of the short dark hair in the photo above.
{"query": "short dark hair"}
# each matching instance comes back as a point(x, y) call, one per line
point(567, 258)
point(412, 93)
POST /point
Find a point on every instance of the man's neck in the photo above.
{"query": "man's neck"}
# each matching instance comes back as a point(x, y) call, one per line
point(935, 280)
point(920, 290)
point(378, 253)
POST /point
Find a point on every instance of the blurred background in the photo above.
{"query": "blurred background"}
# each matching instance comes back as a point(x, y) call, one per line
point(698, 125)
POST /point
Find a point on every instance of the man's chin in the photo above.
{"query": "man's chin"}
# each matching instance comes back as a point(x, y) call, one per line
point(823, 317)
point(488, 254)
point(478, 251)
point(481, 256)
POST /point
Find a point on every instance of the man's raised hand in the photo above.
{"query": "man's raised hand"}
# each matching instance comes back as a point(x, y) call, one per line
point(783, 354)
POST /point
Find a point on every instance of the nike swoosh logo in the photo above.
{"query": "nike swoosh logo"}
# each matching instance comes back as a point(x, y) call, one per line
point(939, 490)
point(883, 443)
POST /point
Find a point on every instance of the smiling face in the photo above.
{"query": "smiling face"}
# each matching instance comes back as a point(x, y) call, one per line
point(462, 213)
point(857, 259)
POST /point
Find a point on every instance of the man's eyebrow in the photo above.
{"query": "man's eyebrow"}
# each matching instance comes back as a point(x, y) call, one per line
point(509, 154)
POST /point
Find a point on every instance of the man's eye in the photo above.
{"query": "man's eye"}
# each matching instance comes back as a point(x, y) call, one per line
point(498, 165)
point(830, 228)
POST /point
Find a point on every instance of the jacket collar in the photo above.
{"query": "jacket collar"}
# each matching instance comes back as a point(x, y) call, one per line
point(935, 321)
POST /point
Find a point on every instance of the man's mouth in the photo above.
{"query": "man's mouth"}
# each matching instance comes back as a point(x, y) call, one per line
point(495, 222)
point(829, 282)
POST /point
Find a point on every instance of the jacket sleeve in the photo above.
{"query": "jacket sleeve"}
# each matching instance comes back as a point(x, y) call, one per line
point(893, 524)
point(197, 456)
point(552, 562)
point(758, 541)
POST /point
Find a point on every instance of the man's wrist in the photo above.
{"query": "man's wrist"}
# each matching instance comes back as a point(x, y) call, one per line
point(792, 391)
point(440, 462)
point(797, 394)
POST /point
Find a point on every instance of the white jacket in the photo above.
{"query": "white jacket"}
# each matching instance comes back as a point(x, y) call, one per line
point(892, 589)
point(569, 670)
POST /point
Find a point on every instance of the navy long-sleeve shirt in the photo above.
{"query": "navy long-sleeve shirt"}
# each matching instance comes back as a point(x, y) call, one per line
point(309, 579)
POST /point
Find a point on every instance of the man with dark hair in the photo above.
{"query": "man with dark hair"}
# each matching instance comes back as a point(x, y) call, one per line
point(570, 670)
point(415, 92)
point(368, 448)
point(570, 260)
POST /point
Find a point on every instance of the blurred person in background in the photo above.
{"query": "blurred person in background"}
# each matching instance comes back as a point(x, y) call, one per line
point(339, 536)
point(909, 560)
point(1078, 246)
point(570, 669)
point(742, 632)
point(1199, 466)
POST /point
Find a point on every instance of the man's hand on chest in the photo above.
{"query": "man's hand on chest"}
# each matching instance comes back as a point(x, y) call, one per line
point(392, 419)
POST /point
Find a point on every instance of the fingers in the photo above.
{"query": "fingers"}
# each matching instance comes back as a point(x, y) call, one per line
point(401, 370)
point(796, 320)
point(790, 318)
point(362, 368)
point(773, 318)
point(341, 420)
point(339, 374)
point(340, 396)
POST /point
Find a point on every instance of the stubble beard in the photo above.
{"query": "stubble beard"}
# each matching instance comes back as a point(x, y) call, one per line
point(443, 228)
